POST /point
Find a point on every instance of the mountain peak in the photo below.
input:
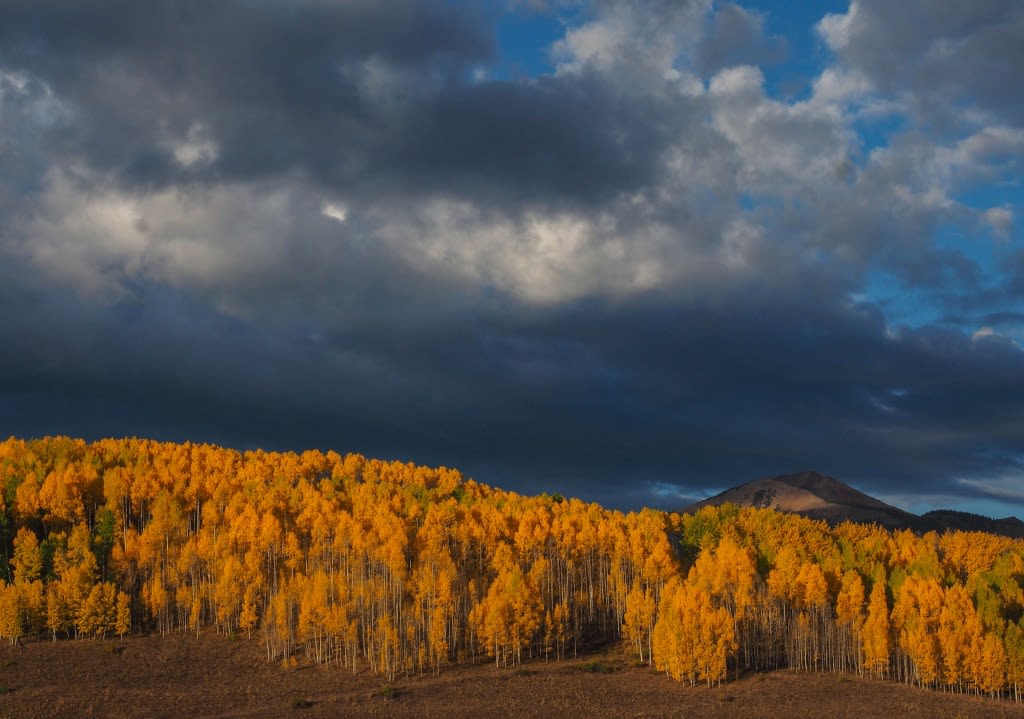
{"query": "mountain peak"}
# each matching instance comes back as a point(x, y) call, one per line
point(818, 496)
point(813, 495)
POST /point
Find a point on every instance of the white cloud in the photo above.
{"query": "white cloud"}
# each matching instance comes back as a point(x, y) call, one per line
point(840, 86)
point(783, 148)
point(335, 210)
point(1000, 219)
point(12, 81)
point(197, 148)
point(542, 257)
point(84, 239)
point(98, 240)
point(627, 38)
point(744, 81)
point(837, 29)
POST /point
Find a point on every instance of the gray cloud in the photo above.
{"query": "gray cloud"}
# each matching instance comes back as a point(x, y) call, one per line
point(947, 54)
point(737, 37)
point(636, 279)
point(367, 99)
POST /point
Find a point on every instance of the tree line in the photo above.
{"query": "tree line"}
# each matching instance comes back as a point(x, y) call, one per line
point(355, 562)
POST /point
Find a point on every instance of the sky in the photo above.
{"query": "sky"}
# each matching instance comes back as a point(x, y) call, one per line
point(635, 251)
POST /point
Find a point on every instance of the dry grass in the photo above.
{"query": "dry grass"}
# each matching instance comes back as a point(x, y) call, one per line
point(182, 676)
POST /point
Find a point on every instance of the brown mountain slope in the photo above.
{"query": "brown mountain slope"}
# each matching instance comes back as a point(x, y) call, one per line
point(813, 495)
point(817, 496)
point(941, 520)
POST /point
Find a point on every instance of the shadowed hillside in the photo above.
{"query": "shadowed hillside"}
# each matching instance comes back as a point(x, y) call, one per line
point(398, 570)
point(814, 495)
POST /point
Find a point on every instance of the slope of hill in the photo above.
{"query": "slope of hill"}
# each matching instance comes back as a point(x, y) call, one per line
point(814, 495)
point(398, 570)
point(181, 675)
point(948, 520)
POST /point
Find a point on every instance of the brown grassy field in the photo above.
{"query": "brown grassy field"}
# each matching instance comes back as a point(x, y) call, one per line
point(182, 676)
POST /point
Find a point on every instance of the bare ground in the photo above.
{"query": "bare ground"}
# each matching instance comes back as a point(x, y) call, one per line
point(182, 676)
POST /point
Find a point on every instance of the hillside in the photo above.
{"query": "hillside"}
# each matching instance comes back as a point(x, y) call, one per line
point(812, 495)
point(816, 496)
point(182, 676)
point(395, 570)
point(950, 520)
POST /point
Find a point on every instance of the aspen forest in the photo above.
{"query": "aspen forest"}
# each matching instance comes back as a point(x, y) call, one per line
point(401, 569)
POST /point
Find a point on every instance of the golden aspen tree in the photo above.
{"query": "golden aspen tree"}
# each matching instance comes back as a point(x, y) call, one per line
point(716, 640)
point(671, 640)
point(509, 615)
point(10, 613)
point(26, 496)
point(639, 620)
point(1014, 649)
point(782, 579)
point(960, 637)
point(76, 569)
point(249, 612)
point(58, 615)
point(227, 594)
point(561, 631)
point(850, 617)
point(916, 616)
point(692, 637)
point(122, 614)
point(94, 614)
point(850, 600)
point(27, 563)
point(157, 600)
point(991, 671)
point(811, 588)
point(876, 630)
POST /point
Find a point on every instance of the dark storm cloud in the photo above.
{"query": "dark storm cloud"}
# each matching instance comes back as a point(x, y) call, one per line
point(369, 98)
point(676, 396)
point(274, 81)
point(321, 224)
point(596, 399)
point(555, 138)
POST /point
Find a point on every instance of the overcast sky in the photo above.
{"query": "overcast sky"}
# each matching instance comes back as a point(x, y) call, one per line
point(634, 251)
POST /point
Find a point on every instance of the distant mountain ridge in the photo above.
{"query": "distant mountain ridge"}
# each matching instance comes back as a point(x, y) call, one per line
point(817, 496)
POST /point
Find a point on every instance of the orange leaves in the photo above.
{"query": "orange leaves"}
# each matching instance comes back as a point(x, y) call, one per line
point(876, 631)
point(850, 601)
point(352, 561)
point(810, 587)
point(960, 637)
point(27, 561)
point(638, 623)
point(10, 613)
point(1013, 648)
point(782, 579)
point(509, 615)
point(97, 613)
point(692, 637)
point(916, 612)
point(122, 614)
point(991, 671)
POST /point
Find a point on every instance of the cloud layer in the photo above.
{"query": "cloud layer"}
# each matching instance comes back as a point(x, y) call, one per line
point(637, 278)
